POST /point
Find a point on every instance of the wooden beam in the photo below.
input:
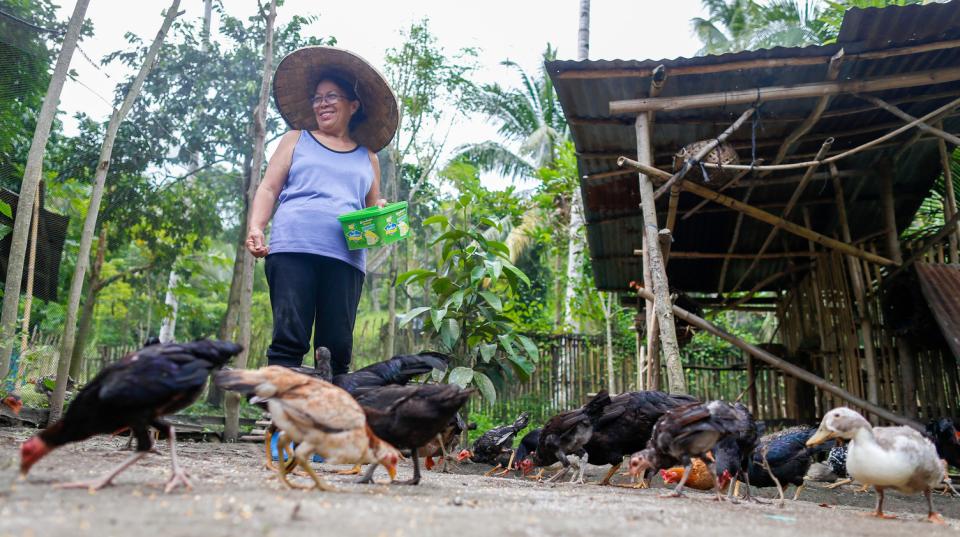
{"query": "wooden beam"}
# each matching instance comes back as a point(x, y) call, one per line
point(733, 183)
point(953, 139)
point(791, 203)
point(764, 216)
point(720, 255)
point(787, 367)
point(850, 152)
point(661, 287)
point(949, 227)
point(780, 93)
point(765, 63)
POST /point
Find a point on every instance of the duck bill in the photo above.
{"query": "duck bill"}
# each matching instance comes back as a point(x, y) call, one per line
point(821, 436)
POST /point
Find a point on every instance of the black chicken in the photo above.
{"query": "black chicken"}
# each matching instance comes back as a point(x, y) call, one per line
point(524, 455)
point(567, 433)
point(134, 394)
point(491, 444)
point(733, 453)
point(409, 417)
point(945, 436)
point(625, 426)
point(788, 456)
point(685, 432)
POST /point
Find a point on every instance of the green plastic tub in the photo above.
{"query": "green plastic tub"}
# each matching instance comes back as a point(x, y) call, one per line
point(373, 226)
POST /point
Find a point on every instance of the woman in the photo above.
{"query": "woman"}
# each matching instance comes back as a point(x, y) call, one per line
point(342, 112)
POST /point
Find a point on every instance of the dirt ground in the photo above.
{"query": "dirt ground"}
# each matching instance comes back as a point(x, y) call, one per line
point(233, 495)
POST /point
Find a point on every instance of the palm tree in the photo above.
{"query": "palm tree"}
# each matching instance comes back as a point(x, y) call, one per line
point(529, 116)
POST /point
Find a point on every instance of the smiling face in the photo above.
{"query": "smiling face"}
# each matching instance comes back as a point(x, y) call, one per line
point(333, 108)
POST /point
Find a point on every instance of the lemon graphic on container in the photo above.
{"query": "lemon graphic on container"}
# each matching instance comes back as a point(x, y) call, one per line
point(353, 234)
point(371, 236)
point(404, 228)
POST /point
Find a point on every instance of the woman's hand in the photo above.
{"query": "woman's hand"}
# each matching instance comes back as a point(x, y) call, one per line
point(381, 203)
point(256, 243)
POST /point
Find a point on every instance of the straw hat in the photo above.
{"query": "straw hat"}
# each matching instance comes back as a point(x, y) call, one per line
point(299, 73)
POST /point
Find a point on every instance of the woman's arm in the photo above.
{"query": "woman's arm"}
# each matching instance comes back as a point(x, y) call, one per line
point(267, 193)
point(373, 195)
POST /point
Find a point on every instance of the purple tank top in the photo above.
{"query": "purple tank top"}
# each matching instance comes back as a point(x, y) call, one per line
point(321, 185)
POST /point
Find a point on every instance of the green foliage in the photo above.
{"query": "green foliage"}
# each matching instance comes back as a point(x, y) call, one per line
point(470, 293)
point(735, 25)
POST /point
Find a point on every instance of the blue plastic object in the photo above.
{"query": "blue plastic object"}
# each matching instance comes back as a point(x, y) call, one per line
point(273, 448)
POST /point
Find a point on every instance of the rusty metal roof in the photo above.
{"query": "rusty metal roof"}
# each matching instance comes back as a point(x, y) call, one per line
point(611, 204)
point(941, 288)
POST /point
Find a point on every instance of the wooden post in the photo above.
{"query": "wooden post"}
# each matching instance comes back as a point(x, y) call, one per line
point(661, 290)
point(752, 386)
point(950, 200)
point(787, 367)
point(859, 292)
point(889, 211)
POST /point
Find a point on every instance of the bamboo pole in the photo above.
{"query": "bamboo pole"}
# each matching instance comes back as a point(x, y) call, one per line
point(703, 152)
point(787, 367)
point(889, 211)
point(797, 165)
point(794, 198)
point(859, 294)
point(779, 93)
point(661, 288)
point(953, 139)
point(949, 227)
point(735, 182)
point(764, 63)
point(950, 200)
point(764, 216)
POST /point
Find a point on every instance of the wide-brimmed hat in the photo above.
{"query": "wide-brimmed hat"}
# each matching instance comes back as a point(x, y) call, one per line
point(299, 73)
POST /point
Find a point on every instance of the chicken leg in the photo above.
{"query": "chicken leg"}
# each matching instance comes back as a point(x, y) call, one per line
point(415, 480)
point(179, 476)
point(678, 492)
point(606, 479)
point(107, 479)
point(353, 471)
point(509, 465)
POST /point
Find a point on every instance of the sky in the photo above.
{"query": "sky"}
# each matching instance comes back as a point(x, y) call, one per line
point(499, 29)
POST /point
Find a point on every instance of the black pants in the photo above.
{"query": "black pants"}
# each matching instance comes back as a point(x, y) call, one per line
point(308, 290)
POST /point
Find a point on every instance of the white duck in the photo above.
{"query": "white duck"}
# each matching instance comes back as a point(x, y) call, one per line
point(886, 457)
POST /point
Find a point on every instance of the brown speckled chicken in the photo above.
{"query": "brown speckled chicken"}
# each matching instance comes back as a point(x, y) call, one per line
point(318, 416)
point(700, 476)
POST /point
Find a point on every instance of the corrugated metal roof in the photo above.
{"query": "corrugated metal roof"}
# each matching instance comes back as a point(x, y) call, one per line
point(611, 204)
point(941, 288)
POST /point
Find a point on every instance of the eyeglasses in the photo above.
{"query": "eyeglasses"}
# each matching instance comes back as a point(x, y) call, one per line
point(330, 98)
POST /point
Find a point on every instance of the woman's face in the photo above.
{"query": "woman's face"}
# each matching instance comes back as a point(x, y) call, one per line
point(333, 108)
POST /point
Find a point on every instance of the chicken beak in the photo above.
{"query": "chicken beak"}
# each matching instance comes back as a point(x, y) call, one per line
point(821, 436)
point(709, 456)
point(392, 471)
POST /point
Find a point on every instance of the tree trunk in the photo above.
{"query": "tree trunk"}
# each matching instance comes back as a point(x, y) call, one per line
point(86, 315)
point(583, 35)
point(28, 188)
point(168, 326)
point(608, 321)
point(31, 272)
point(90, 224)
point(232, 408)
point(392, 307)
point(574, 262)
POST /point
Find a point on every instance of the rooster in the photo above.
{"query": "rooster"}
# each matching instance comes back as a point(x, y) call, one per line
point(685, 432)
point(318, 416)
point(491, 444)
point(134, 394)
point(567, 433)
point(411, 416)
point(787, 456)
point(733, 453)
point(947, 440)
